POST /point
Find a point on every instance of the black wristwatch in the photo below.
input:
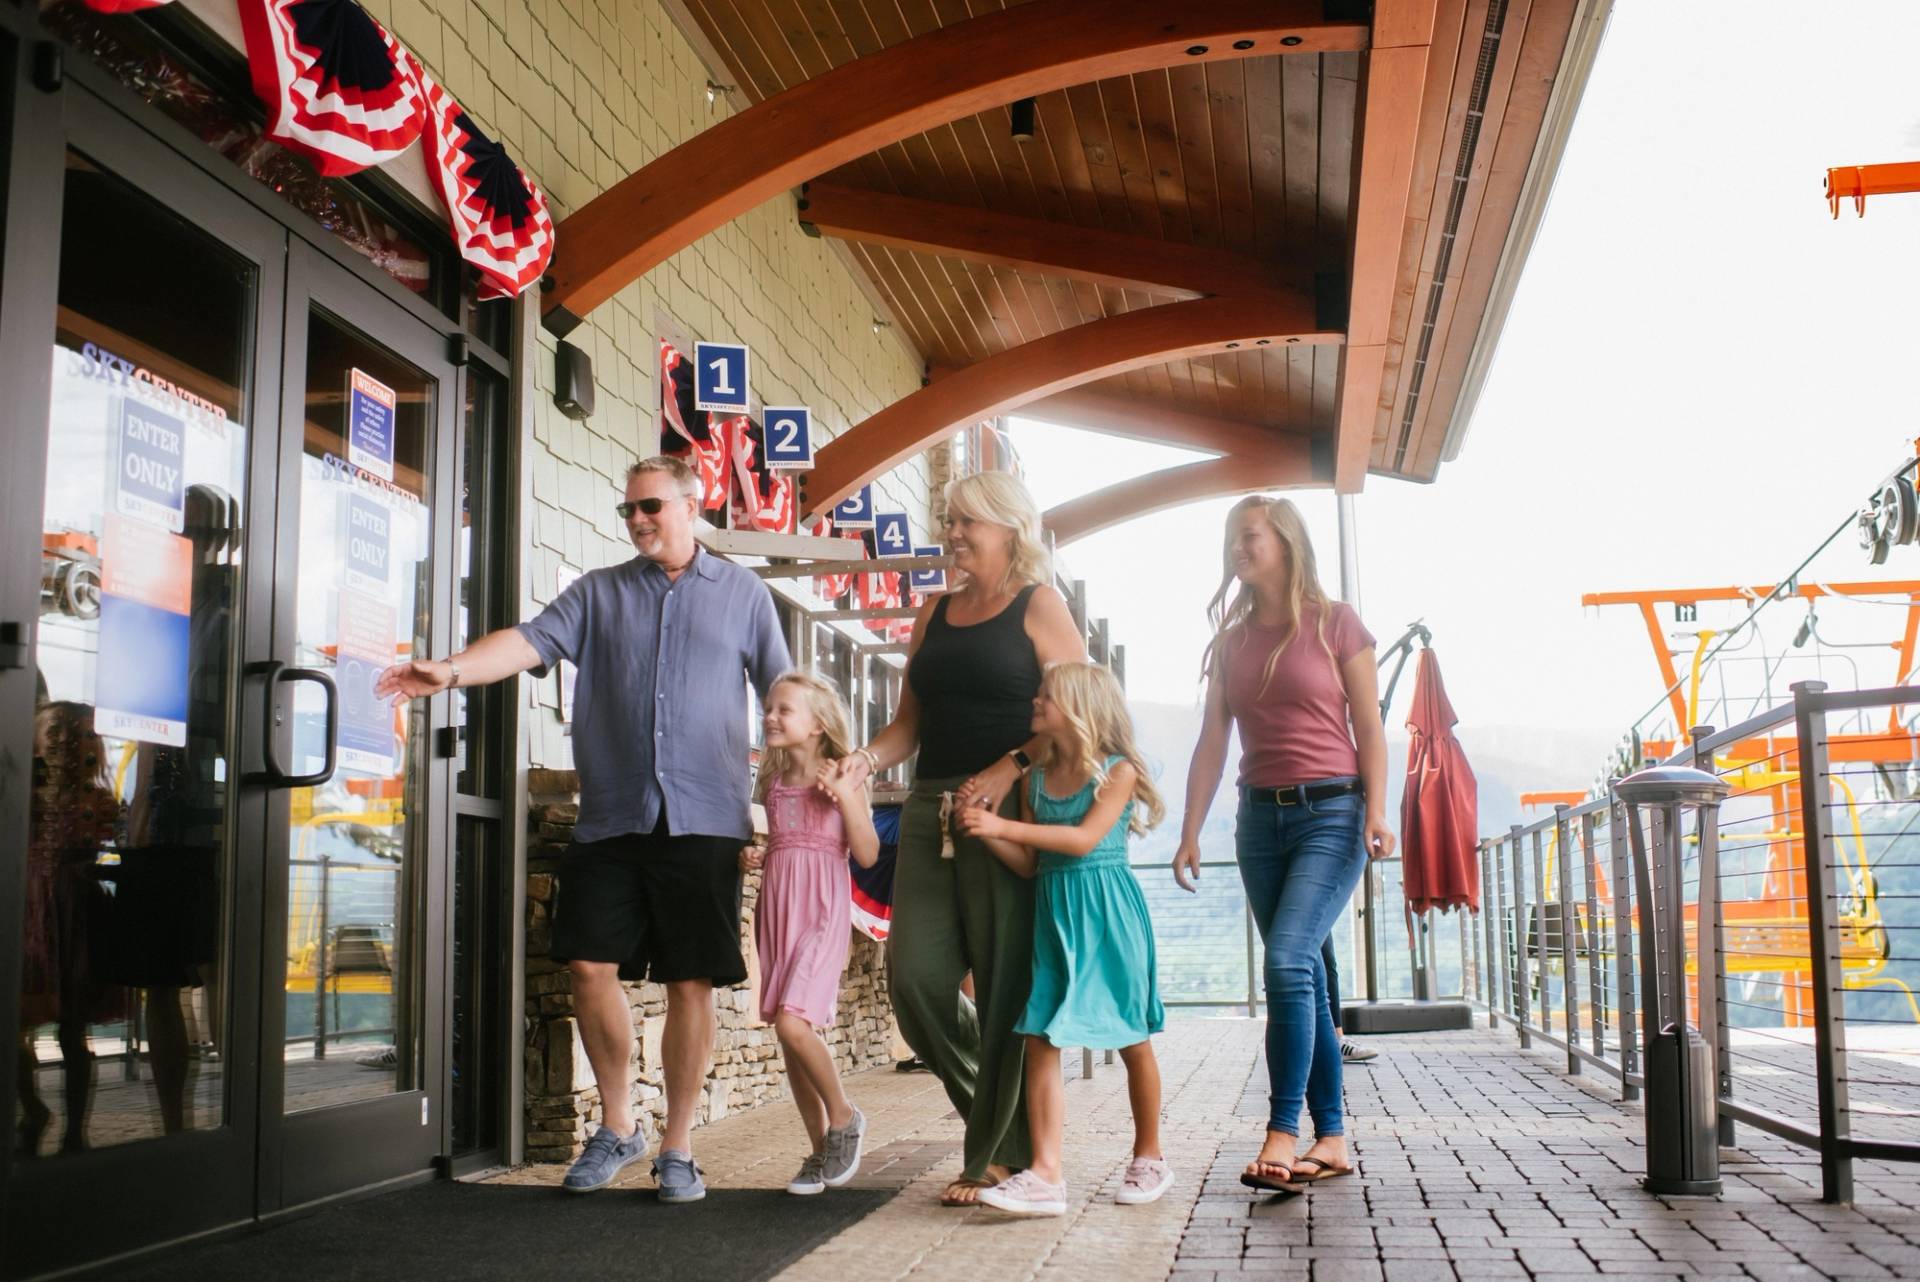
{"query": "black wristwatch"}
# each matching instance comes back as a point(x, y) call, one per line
point(1021, 759)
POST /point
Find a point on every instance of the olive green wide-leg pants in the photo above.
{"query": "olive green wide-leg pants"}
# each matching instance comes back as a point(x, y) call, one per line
point(951, 916)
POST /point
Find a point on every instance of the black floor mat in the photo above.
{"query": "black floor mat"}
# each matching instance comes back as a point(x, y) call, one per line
point(456, 1232)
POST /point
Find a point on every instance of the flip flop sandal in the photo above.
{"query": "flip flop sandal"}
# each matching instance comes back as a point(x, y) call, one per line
point(1269, 1184)
point(947, 1200)
point(1322, 1170)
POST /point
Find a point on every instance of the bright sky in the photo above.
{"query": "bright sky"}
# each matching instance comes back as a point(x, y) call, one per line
point(1702, 373)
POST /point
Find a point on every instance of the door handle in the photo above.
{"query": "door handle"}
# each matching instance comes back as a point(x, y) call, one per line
point(275, 775)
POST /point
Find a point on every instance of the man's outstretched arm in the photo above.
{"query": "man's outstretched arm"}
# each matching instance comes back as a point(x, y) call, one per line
point(494, 657)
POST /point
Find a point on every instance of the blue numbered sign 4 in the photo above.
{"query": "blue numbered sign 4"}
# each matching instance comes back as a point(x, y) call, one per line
point(891, 535)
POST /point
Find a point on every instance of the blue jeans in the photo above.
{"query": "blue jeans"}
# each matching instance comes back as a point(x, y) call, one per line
point(1299, 865)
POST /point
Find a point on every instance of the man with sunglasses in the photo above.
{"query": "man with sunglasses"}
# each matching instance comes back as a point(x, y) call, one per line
point(665, 645)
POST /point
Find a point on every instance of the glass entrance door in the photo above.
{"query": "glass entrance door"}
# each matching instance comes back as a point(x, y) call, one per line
point(369, 401)
point(136, 1029)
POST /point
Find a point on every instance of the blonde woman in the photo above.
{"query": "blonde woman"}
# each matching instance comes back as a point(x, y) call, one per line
point(1295, 673)
point(801, 926)
point(1093, 963)
point(973, 669)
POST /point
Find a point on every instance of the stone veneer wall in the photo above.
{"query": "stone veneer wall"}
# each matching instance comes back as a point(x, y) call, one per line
point(563, 1106)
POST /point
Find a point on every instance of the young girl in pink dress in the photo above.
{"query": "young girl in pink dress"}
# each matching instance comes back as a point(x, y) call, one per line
point(803, 924)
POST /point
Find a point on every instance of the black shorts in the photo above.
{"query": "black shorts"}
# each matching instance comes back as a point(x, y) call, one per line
point(665, 908)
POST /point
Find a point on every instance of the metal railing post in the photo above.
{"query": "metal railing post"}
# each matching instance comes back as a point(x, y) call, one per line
point(1523, 931)
point(1500, 974)
point(1823, 938)
point(1712, 929)
point(320, 969)
point(1563, 846)
point(1590, 935)
point(1623, 958)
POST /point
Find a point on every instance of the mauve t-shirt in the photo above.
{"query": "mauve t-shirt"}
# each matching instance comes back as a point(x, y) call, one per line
point(1298, 730)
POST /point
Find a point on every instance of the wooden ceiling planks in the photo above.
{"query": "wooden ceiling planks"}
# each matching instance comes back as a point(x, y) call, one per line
point(1255, 156)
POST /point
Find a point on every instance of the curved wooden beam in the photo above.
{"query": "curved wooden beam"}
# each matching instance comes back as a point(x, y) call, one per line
point(1093, 411)
point(1068, 358)
point(903, 90)
point(1036, 245)
point(1288, 464)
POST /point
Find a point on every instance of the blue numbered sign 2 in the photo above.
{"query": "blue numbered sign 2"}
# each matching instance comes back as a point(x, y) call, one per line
point(789, 433)
point(934, 580)
point(891, 536)
point(720, 377)
point(855, 512)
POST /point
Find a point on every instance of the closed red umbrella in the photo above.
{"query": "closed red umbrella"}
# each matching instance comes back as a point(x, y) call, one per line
point(1440, 809)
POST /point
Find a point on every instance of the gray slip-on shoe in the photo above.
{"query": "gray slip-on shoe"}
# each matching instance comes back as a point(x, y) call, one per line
point(607, 1154)
point(808, 1181)
point(679, 1176)
point(840, 1154)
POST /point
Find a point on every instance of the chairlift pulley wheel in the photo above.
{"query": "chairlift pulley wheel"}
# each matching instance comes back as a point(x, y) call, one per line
point(1896, 514)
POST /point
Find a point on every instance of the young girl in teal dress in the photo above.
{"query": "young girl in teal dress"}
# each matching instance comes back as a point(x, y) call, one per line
point(1093, 966)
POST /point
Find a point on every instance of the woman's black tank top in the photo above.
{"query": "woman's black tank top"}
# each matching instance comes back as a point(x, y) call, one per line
point(976, 686)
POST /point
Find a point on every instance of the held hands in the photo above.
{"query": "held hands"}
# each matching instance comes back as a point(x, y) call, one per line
point(1378, 839)
point(977, 821)
point(851, 771)
point(990, 787)
point(752, 858)
point(833, 779)
point(413, 680)
point(1186, 866)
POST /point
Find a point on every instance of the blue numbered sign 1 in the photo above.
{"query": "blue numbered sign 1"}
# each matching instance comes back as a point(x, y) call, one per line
point(720, 377)
point(855, 512)
point(789, 435)
point(934, 580)
point(891, 535)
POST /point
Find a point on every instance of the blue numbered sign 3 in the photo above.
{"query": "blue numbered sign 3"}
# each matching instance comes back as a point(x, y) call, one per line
point(789, 433)
point(855, 512)
point(891, 536)
point(720, 377)
point(929, 581)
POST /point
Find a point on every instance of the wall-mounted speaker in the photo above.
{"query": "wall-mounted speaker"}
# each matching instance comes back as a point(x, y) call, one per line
point(572, 381)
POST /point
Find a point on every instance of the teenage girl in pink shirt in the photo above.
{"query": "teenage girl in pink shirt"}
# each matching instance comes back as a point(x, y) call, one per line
point(1295, 672)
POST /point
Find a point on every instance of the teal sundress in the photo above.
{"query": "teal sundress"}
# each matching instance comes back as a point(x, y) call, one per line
point(1093, 959)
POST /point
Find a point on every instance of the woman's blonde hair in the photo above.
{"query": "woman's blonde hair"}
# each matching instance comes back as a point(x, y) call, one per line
point(829, 709)
point(75, 756)
point(1303, 590)
point(1095, 709)
point(1000, 498)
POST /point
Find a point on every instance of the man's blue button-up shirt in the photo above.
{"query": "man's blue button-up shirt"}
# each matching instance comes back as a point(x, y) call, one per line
point(660, 707)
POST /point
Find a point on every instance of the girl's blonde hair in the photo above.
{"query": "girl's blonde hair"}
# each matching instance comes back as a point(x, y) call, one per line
point(1000, 498)
point(829, 709)
point(1095, 710)
point(1303, 590)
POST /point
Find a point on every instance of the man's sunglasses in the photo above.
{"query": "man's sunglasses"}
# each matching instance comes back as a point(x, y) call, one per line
point(650, 506)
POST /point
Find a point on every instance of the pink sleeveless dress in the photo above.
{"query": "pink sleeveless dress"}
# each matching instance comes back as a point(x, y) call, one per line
point(802, 925)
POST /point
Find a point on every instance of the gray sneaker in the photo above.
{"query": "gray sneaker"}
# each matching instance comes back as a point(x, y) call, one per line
point(840, 1154)
point(808, 1181)
point(606, 1154)
point(679, 1176)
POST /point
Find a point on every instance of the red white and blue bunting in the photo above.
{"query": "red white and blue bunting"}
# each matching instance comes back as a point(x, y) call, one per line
point(499, 219)
point(337, 88)
point(124, 6)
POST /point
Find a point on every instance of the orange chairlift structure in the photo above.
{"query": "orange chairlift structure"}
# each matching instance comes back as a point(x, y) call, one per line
point(1767, 933)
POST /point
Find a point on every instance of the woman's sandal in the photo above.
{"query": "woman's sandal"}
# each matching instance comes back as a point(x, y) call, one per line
point(1322, 1170)
point(947, 1197)
point(1258, 1179)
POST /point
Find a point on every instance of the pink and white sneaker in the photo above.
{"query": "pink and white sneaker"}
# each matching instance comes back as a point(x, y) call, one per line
point(1146, 1179)
point(1024, 1193)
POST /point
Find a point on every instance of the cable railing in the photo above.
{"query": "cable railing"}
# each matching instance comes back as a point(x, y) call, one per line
point(1797, 925)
